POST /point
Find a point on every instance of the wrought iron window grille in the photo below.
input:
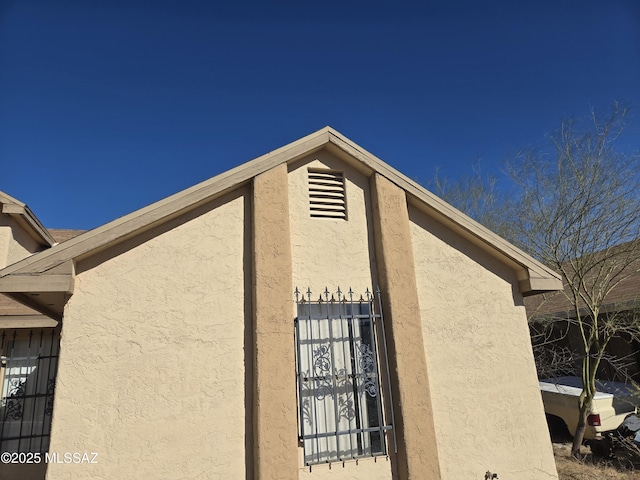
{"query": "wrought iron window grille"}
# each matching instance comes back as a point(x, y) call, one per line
point(27, 382)
point(341, 362)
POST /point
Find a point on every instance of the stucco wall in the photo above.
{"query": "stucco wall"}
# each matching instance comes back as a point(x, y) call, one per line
point(327, 252)
point(378, 468)
point(15, 243)
point(487, 407)
point(274, 400)
point(417, 448)
point(152, 366)
point(333, 253)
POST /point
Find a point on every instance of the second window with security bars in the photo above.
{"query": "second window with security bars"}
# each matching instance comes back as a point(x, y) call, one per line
point(27, 384)
point(339, 342)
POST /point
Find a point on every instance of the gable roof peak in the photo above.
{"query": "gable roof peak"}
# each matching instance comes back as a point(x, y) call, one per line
point(536, 276)
point(26, 219)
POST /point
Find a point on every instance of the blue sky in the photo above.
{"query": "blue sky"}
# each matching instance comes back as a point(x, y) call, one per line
point(107, 106)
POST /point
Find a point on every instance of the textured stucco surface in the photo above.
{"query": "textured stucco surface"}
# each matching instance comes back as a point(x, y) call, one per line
point(332, 253)
point(417, 448)
point(487, 407)
point(155, 350)
point(378, 468)
point(275, 406)
point(151, 370)
point(15, 243)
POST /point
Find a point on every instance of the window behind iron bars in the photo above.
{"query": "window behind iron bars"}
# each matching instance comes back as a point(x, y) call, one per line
point(27, 382)
point(339, 376)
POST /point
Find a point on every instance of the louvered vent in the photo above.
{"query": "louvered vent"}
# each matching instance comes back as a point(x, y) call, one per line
point(326, 194)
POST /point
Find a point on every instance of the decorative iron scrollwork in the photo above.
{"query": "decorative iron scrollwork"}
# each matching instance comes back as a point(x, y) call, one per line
point(367, 360)
point(368, 365)
point(17, 388)
point(346, 408)
point(51, 386)
point(322, 372)
point(341, 414)
point(15, 400)
point(371, 387)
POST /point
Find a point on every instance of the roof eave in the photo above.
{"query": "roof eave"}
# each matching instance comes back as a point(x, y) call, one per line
point(169, 207)
point(25, 217)
point(538, 285)
point(46, 293)
point(27, 321)
point(533, 276)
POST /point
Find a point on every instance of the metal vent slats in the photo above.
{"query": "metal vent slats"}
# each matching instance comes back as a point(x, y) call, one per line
point(326, 194)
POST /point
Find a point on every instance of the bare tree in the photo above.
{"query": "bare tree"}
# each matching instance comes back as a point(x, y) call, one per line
point(575, 207)
point(580, 214)
point(481, 196)
point(553, 357)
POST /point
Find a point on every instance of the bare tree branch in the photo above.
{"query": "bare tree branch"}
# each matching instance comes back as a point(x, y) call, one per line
point(576, 207)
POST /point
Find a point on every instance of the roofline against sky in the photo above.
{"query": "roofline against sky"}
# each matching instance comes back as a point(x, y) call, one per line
point(25, 217)
point(533, 276)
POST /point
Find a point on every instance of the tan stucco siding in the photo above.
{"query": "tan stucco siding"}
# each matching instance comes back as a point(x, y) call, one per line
point(152, 367)
point(332, 253)
point(417, 450)
point(5, 240)
point(15, 242)
point(487, 408)
point(274, 401)
point(377, 468)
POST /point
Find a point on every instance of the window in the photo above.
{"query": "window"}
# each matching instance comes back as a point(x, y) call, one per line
point(339, 372)
point(27, 379)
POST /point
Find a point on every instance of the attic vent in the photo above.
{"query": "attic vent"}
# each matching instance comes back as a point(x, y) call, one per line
point(326, 194)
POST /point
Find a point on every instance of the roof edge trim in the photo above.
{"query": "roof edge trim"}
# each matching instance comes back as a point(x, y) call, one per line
point(25, 217)
point(540, 278)
point(121, 228)
point(536, 274)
